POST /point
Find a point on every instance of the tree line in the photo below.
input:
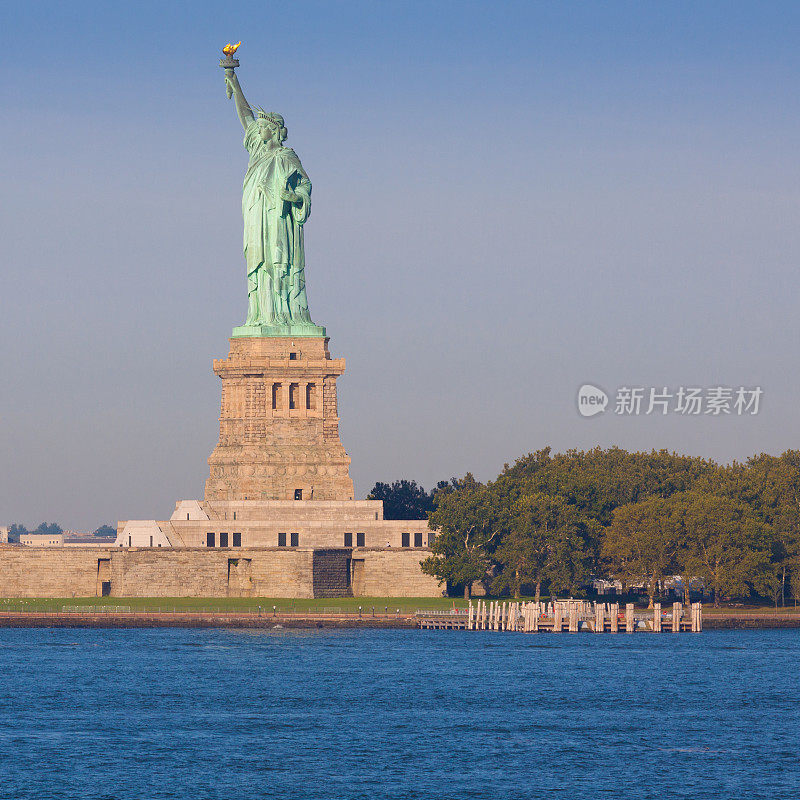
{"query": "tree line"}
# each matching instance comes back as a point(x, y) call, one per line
point(52, 529)
point(549, 522)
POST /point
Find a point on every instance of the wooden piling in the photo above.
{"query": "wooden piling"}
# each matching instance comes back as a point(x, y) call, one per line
point(573, 617)
point(677, 610)
point(697, 617)
point(599, 617)
point(528, 617)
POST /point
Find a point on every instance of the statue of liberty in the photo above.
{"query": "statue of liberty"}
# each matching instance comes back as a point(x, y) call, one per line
point(276, 203)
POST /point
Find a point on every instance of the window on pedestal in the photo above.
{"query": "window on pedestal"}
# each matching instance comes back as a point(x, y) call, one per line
point(292, 356)
point(281, 540)
point(276, 396)
point(223, 539)
point(294, 395)
point(348, 540)
point(360, 540)
point(311, 396)
point(210, 540)
point(406, 539)
point(237, 539)
point(418, 539)
point(294, 539)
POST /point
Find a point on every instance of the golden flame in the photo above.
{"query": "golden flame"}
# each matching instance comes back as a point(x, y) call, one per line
point(230, 49)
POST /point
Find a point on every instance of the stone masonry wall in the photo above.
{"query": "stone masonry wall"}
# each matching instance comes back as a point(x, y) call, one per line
point(212, 572)
point(50, 571)
point(76, 572)
point(279, 430)
point(392, 573)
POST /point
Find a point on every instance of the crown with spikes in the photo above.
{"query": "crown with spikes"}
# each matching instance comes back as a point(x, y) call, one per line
point(269, 116)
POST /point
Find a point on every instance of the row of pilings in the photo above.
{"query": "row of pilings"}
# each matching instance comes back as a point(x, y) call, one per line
point(578, 615)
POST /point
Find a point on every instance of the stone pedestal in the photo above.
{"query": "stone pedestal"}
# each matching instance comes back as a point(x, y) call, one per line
point(279, 424)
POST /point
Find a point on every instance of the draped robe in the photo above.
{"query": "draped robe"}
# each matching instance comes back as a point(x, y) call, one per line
point(273, 233)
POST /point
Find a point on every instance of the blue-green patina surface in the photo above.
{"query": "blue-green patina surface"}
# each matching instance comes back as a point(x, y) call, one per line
point(276, 204)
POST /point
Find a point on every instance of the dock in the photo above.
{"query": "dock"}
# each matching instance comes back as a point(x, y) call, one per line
point(557, 616)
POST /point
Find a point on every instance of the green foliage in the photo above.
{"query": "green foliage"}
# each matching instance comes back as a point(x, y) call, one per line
point(550, 520)
point(643, 542)
point(794, 583)
point(727, 546)
point(543, 543)
point(15, 531)
point(467, 522)
point(105, 531)
point(49, 529)
point(406, 499)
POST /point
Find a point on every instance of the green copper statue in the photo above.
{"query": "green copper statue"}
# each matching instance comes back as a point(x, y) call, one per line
point(276, 203)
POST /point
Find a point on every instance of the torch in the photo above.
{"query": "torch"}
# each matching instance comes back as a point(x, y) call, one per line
point(229, 62)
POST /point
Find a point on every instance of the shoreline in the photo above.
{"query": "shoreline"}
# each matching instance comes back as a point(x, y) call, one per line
point(719, 620)
point(194, 619)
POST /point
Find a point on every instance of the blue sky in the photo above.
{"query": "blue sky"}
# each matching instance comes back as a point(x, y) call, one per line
point(510, 200)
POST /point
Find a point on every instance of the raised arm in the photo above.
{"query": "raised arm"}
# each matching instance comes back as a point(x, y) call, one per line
point(233, 89)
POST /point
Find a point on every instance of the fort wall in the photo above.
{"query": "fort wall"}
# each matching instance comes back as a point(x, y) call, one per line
point(212, 572)
point(392, 573)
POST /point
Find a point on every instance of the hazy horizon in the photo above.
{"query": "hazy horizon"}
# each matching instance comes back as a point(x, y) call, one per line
point(510, 201)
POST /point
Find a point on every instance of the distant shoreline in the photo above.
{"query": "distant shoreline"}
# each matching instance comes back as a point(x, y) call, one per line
point(712, 620)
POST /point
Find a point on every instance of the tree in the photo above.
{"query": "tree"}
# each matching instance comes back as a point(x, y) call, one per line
point(543, 544)
point(49, 529)
point(643, 542)
point(105, 531)
point(726, 546)
point(794, 583)
point(774, 495)
point(596, 482)
point(15, 531)
point(403, 499)
point(465, 521)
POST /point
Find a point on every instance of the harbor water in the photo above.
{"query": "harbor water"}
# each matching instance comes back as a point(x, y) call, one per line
point(189, 714)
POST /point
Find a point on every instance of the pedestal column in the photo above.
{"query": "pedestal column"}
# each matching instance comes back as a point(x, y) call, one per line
point(267, 451)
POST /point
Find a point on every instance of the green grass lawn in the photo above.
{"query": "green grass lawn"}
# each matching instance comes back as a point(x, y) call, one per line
point(230, 604)
point(282, 604)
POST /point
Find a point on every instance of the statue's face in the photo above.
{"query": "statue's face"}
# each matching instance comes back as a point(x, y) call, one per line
point(267, 131)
